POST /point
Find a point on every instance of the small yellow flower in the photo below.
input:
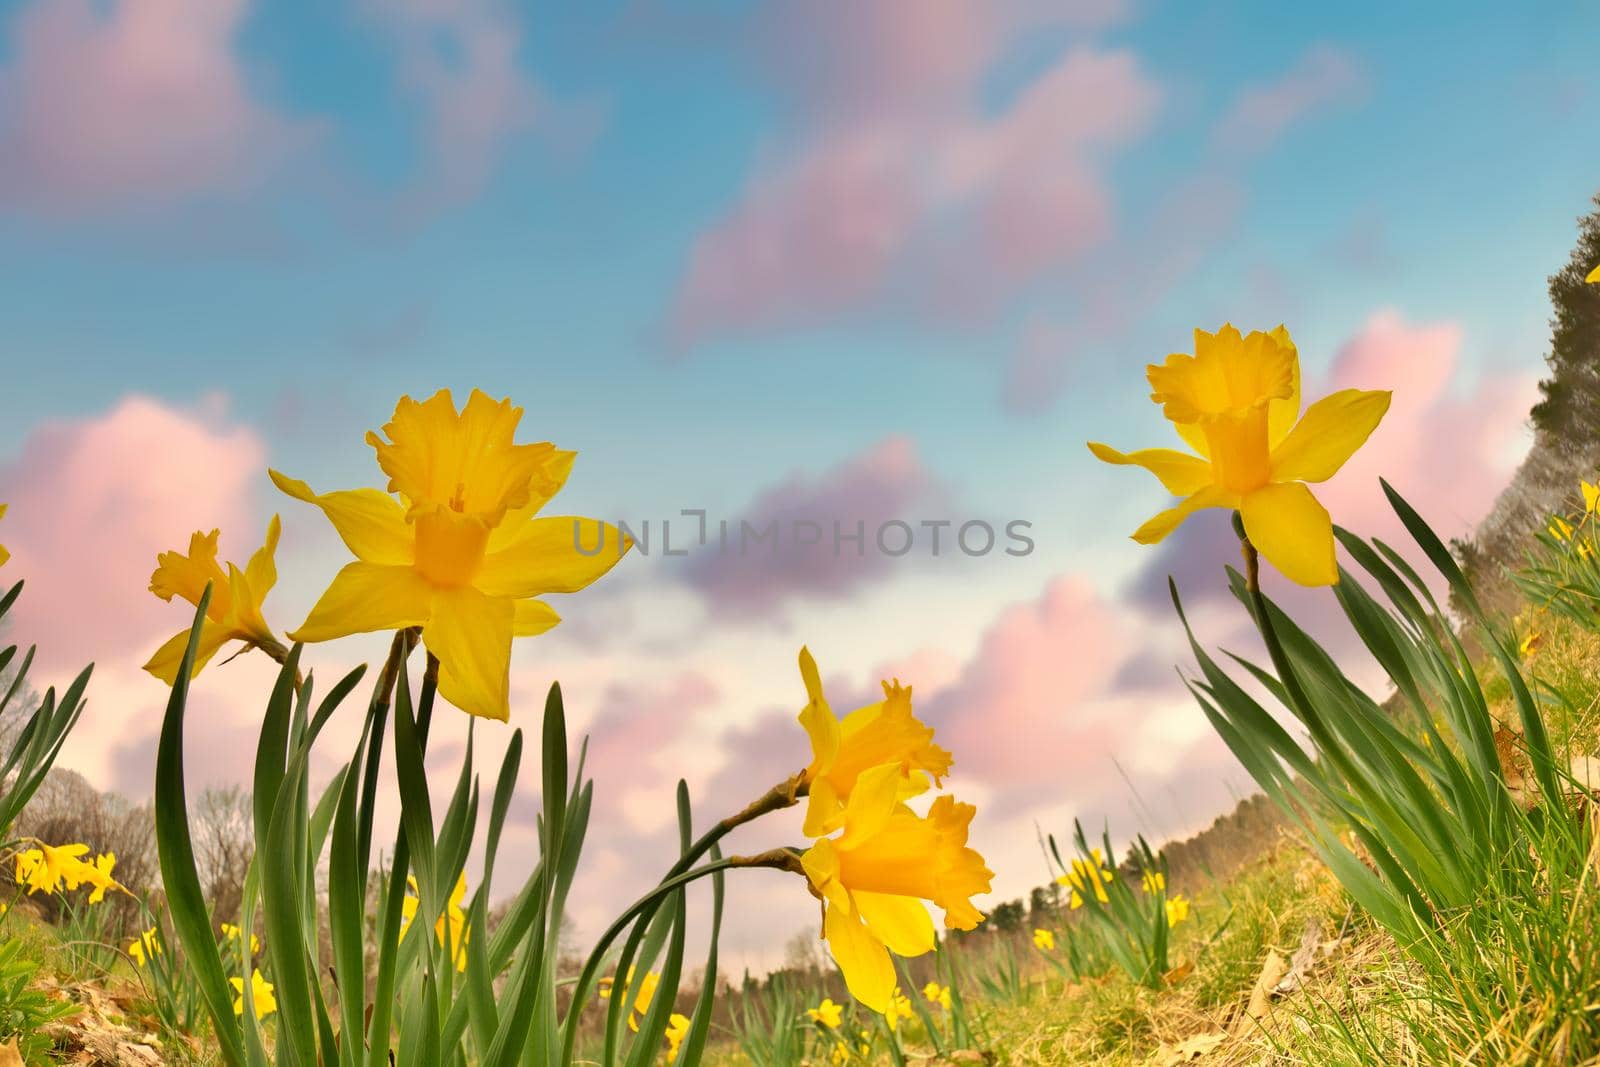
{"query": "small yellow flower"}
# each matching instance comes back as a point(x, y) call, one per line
point(1529, 644)
point(1594, 277)
point(1560, 528)
point(233, 933)
point(451, 929)
point(4, 555)
point(1045, 940)
point(827, 1013)
point(234, 611)
point(841, 1054)
point(677, 1030)
point(1591, 497)
point(1177, 910)
point(261, 996)
point(1087, 874)
point(899, 1008)
point(1235, 402)
point(885, 732)
point(457, 549)
point(937, 994)
point(874, 877)
point(49, 868)
point(1154, 882)
point(641, 1001)
point(1585, 550)
point(148, 944)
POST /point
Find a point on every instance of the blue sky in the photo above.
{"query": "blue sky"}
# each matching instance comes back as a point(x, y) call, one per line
point(729, 251)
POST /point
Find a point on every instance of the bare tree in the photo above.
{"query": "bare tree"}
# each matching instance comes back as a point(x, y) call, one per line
point(224, 842)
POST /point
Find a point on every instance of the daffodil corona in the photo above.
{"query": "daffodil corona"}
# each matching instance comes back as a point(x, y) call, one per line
point(457, 549)
point(234, 611)
point(1236, 402)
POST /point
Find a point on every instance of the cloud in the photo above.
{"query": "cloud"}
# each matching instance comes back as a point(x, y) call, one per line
point(133, 104)
point(886, 482)
point(93, 500)
point(899, 162)
point(1325, 77)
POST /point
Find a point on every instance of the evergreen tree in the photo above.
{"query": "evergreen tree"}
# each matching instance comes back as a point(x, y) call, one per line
point(1570, 405)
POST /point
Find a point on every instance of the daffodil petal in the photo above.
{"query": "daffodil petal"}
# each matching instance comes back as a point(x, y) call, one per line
point(822, 809)
point(548, 556)
point(872, 802)
point(169, 657)
point(862, 958)
point(1180, 473)
point(1594, 276)
point(471, 635)
point(552, 475)
point(1158, 527)
point(533, 617)
point(1293, 532)
point(1333, 428)
point(817, 719)
point(1281, 414)
point(372, 524)
point(902, 923)
point(262, 570)
point(365, 597)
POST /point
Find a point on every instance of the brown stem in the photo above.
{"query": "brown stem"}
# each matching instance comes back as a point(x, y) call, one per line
point(783, 795)
point(779, 859)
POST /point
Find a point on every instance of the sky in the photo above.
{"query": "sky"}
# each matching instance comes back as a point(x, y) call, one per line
point(818, 261)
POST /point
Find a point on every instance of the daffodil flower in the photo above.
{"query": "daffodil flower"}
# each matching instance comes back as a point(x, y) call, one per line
point(899, 1008)
point(641, 999)
point(874, 877)
point(1235, 402)
point(457, 549)
point(827, 1013)
point(677, 1030)
point(261, 996)
point(451, 929)
point(233, 933)
point(147, 944)
point(1529, 644)
point(1154, 882)
point(1044, 940)
point(99, 875)
point(883, 733)
point(234, 611)
point(1177, 910)
point(1560, 528)
point(47, 868)
point(1594, 276)
point(1085, 875)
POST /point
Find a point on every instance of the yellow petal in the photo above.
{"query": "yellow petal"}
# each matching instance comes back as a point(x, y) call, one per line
point(822, 809)
point(1182, 474)
point(262, 570)
point(365, 597)
point(544, 557)
point(1281, 414)
point(169, 657)
point(1333, 428)
point(547, 482)
point(817, 718)
point(533, 617)
point(471, 635)
point(1293, 532)
point(372, 524)
point(1594, 276)
point(872, 802)
point(1157, 528)
point(862, 959)
point(902, 923)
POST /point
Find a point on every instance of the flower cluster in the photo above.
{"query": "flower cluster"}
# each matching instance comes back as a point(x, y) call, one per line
point(52, 868)
point(874, 860)
point(1089, 876)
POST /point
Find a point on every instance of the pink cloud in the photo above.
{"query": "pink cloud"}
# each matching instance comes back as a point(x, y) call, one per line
point(888, 482)
point(93, 500)
point(133, 103)
point(1324, 77)
point(900, 163)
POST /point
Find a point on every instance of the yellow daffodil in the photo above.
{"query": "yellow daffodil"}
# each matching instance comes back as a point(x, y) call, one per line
point(98, 875)
point(677, 1030)
point(899, 1008)
point(1177, 910)
point(1235, 402)
point(233, 933)
point(457, 550)
point(451, 929)
point(874, 877)
point(1594, 276)
point(1529, 644)
point(234, 612)
point(641, 1000)
point(147, 944)
point(1085, 875)
point(1559, 528)
point(49, 868)
point(4, 555)
point(840, 1054)
point(1044, 940)
point(261, 996)
point(937, 994)
point(827, 1013)
point(1154, 882)
point(882, 733)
